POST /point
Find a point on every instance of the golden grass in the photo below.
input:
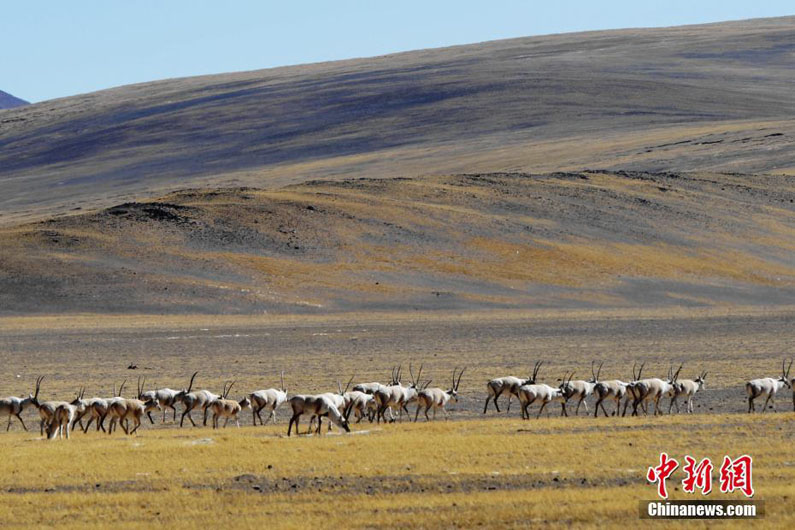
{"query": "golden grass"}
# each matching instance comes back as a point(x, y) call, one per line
point(581, 472)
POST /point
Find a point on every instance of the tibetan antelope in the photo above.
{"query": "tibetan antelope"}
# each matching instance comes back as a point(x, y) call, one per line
point(510, 384)
point(436, 398)
point(395, 396)
point(614, 390)
point(124, 411)
point(634, 393)
point(62, 420)
point(529, 394)
point(653, 390)
point(228, 408)
point(581, 390)
point(767, 387)
point(270, 399)
point(341, 400)
point(360, 404)
point(687, 388)
point(315, 406)
point(191, 401)
point(14, 406)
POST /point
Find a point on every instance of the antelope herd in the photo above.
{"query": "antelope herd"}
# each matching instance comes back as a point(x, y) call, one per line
point(375, 401)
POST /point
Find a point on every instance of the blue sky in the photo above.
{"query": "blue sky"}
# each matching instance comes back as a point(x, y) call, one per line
point(58, 48)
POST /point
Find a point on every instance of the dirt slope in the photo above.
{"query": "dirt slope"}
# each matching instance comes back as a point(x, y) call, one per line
point(590, 239)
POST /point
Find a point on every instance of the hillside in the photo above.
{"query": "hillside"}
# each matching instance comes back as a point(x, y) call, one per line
point(710, 98)
point(504, 240)
point(7, 101)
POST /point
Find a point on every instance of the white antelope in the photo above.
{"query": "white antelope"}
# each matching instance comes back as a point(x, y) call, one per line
point(361, 404)
point(228, 408)
point(614, 390)
point(767, 387)
point(529, 394)
point(341, 400)
point(270, 399)
point(396, 396)
point(14, 406)
point(315, 406)
point(581, 390)
point(193, 400)
point(653, 390)
point(436, 398)
point(687, 388)
point(510, 384)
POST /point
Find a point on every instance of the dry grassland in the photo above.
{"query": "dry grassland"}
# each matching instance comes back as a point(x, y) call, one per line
point(578, 472)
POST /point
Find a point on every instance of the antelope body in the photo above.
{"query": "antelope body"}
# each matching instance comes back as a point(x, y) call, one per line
point(269, 399)
point(436, 398)
point(510, 384)
point(319, 406)
point(14, 406)
point(767, 387)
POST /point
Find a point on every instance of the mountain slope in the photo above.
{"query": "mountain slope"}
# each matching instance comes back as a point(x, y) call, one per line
point(708, 98)
point(507, 240)
point(7, 101)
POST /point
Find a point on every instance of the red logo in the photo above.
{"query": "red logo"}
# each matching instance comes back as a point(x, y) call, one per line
point(698, 475)
point(736, 475)
point(660, 473)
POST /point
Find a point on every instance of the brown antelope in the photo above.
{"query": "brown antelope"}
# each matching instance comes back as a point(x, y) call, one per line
point(123, 411)
point(510, 384)
point(436, 398)
point(190, 401)
point(315, 406)
point(14, 406)
point(767, 387)
point(228, 408)
point(687, 388)
point(269, 399)
point(63, 419)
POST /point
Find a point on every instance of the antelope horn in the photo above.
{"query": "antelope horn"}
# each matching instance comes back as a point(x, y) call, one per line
point(121, 387)
point(634, 375)
point(230, 388)
point(593, 373)
point(676, 375)
point(599, 371)
point(419, 374)
point(640, 372)
point(282, 378)
point(461, 373)
point(38, 385)
point(339, 386)
point(347, 386)
point(190, 385)
point(411, 373)
point(427, 383)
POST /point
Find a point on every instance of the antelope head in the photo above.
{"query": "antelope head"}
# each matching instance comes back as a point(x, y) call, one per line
point(453, 392)
point(532, 379)
point(595, 373)
point(701, 379)
point(415, 381)
point(566, 388)
point(34, 398)
point(785, 373)
point(226, 390)
point(185, 391)
point(347, 386)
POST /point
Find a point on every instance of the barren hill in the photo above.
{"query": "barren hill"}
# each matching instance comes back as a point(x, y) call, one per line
point(504, 240)
point(7, 101)
point(696, 98)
